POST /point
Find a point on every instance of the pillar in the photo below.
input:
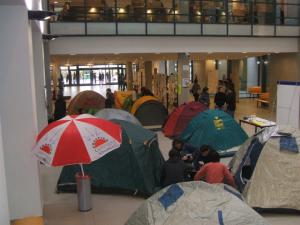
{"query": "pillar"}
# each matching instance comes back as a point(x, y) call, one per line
point(199, 72)
point(48, 79)
point(211, 74)
point(4, 212)
point(237, 70)
point(171, 67)
point(55, 76)
point(183, 76)
point(19, 119)
point(148, 74)
point(129, 75)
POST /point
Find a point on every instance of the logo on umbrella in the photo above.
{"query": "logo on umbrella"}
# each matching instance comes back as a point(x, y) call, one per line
point(46, 148)
point(98, 142)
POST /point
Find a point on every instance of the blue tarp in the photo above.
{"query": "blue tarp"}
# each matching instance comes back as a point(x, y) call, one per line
point(289, 144)
point(171, 196)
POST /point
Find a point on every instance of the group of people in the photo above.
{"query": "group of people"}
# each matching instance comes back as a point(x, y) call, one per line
point(187, 163)
point(122, 84)
point(225, 98)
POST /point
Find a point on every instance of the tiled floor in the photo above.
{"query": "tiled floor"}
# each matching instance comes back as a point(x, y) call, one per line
point(60, 209)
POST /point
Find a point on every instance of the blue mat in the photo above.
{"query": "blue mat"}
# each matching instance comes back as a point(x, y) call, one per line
point(288, 144)
point(171, 196)
point(220, 217)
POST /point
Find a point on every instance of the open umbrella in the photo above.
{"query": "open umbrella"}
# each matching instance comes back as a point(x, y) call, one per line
point(77, 139)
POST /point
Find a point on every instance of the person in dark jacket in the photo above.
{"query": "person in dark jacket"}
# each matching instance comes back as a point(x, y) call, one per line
point(195, 90)
point(230, 102)
point(204, 97)
point(60, 108)
point(174, 169)
point(110, 99)
point(202, 156)
point(220, 99)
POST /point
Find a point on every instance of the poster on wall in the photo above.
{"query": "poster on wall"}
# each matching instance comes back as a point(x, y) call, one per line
point(185, 82)
point(288, 103)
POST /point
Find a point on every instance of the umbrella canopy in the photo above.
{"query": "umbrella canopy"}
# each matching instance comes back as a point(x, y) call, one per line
point(86, 101)
point(118, 114)
point(76, 140)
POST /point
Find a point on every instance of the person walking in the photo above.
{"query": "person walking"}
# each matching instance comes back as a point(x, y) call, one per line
point(230, 101)
point(195, 90)
point(204, 97)
point(220, 99)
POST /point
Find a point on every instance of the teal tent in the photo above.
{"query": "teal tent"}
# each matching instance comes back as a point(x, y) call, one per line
point(215, 128)
point(118, 114)
point(135, 167)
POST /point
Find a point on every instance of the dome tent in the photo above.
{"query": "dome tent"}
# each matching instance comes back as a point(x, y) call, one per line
point(85, 102)
point(118, 114)
point(195, 203)
point(267, 173)
point(181, 116)
point(217, 129)
point(139, 164)
point(149, 111)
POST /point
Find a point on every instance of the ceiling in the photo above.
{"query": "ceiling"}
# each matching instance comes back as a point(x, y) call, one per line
point(82, 59)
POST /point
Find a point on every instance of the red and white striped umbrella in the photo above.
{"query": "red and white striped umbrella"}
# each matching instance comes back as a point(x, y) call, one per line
point(77, 140)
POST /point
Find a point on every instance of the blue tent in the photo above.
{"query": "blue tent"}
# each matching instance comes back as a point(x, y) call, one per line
point(215, 128)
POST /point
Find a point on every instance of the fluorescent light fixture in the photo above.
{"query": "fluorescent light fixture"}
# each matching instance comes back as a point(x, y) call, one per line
point(47, 17)
point(149, 11)
point(93, 10)
point(122, 10)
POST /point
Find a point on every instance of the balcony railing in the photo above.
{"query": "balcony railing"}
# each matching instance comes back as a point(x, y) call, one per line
point(176, 18)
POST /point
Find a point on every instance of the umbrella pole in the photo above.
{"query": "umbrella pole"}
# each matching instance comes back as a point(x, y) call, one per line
point(82, 171)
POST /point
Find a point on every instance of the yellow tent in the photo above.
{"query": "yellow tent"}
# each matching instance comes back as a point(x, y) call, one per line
point(120, 97)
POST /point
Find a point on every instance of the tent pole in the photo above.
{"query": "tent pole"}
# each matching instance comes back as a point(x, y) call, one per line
point(82, 171)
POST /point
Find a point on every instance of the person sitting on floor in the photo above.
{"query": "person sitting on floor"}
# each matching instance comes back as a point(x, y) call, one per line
point(185, 150)
point(174, 169)
point(202, 156)
point(215, 172)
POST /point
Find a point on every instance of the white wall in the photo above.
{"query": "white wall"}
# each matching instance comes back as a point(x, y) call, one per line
point(4, 212)
point(252, 72)
point(18, 118)
point(102, 45)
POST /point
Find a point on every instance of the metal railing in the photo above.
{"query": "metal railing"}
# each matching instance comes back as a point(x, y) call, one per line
point(195, 12)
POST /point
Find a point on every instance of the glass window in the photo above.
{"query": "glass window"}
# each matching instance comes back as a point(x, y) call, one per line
point(239, 12)
point(264, 12)
point(68, 10)
point(160, 11)
point(214, 11)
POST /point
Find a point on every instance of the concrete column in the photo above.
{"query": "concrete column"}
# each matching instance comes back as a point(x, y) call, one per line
point(148, 74)
point(48, 79)
point(284, 66)
point(237, 70)
point(199, 71)
point(4, 212)
point(183, 74)
point(39, 77)
point(129, 75)
point(19, 112)
point(211, 74)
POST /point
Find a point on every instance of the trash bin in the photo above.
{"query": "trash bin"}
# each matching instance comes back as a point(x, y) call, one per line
point(84, 192)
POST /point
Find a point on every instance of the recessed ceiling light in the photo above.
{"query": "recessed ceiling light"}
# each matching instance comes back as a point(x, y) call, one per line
point(244, 52)
point(55, 2)
point(93, 10)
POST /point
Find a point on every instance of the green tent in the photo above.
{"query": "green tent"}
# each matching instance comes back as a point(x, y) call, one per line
point(135, 167)
point(215, 128)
